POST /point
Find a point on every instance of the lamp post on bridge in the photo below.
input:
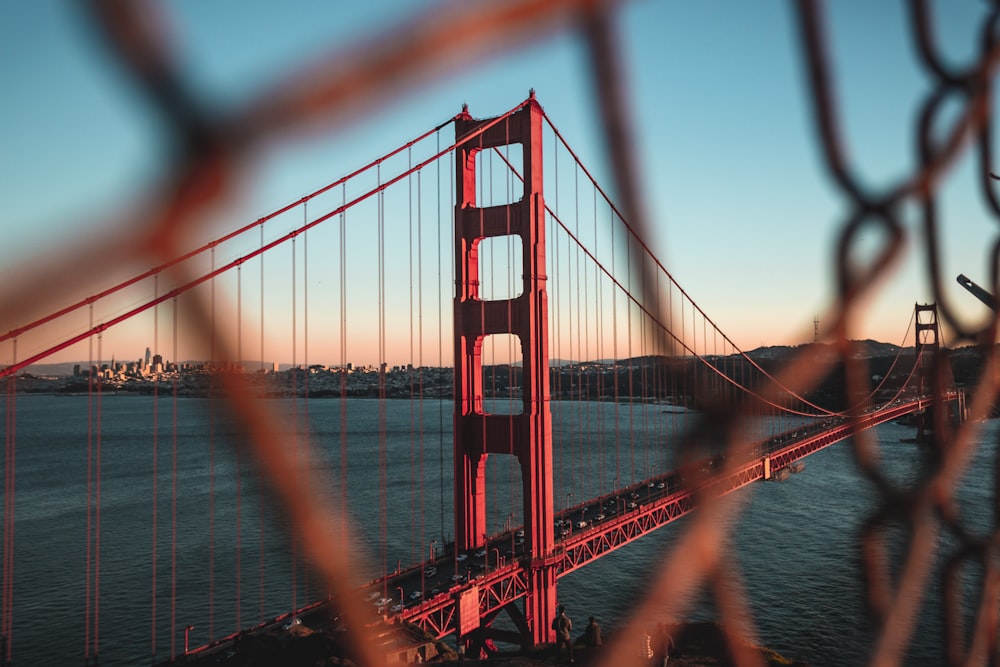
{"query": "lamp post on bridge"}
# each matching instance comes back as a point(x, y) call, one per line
point(431, 550)
point(187, 632)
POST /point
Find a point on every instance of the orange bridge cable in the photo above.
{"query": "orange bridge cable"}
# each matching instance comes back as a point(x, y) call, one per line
point(13, 368)
point(222, 239)
point(684, 345)
point(650, 254)
point(599, 266)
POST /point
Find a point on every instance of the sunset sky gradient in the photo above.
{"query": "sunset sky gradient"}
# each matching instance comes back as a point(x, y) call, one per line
point(746, 216)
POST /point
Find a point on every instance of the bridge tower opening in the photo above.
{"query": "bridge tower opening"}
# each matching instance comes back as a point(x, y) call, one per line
point(527, 436)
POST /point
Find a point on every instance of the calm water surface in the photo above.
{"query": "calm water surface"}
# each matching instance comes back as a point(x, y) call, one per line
point(796, 542)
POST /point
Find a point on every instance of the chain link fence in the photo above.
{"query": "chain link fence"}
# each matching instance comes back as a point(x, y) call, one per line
point(211, 151)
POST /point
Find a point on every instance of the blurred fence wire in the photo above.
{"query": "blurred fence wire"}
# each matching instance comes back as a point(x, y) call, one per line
point(211, 152)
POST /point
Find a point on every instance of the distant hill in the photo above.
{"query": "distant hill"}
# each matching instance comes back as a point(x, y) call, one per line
point(863, 349)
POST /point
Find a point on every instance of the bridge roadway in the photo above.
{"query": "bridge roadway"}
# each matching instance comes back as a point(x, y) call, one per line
point(595, 528)
point(431, 594)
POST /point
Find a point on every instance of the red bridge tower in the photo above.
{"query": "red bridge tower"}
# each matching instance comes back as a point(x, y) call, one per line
point(528, 435)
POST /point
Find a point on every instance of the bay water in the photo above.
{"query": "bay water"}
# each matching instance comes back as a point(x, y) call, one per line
point(209, 550)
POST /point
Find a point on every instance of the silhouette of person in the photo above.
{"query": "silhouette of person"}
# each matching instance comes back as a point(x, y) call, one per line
point(592, 634)
point(564, 628)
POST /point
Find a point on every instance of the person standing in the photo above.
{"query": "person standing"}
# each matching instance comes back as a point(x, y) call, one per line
point(564, 628)
point(592, 634)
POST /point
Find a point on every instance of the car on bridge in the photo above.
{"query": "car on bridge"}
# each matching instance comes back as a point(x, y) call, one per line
point(430, 572)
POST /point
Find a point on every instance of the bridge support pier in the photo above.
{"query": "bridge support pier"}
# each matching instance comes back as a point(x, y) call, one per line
point(527, 436)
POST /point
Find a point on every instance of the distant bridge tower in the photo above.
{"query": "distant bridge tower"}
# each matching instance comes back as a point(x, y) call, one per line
point(934, 376)
point(528, 435)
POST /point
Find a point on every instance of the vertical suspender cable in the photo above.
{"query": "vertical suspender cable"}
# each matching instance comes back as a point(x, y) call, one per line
point(343, 356)
point(514, 471)
point(10, 451)
point(615, 356)
point(239, 447)
point(260, 497)
point(97, 509)
point(211, 472)
point(156, 462)
point(382, 445)
point(90, 492)
point(305, 350)
point(440, 310)
point(416, 538)
point(295, 427)
point(420, 357)
point(567, 443)
point(582, 331)
point(631, 361)
point(173, 497)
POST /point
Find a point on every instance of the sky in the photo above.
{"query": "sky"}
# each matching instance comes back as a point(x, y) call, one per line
point(746, 217)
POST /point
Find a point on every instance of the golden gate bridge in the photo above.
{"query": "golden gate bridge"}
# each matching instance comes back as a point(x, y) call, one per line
point(499, 219)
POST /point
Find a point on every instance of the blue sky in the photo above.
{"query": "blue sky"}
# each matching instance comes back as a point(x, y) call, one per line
point(745, 213)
